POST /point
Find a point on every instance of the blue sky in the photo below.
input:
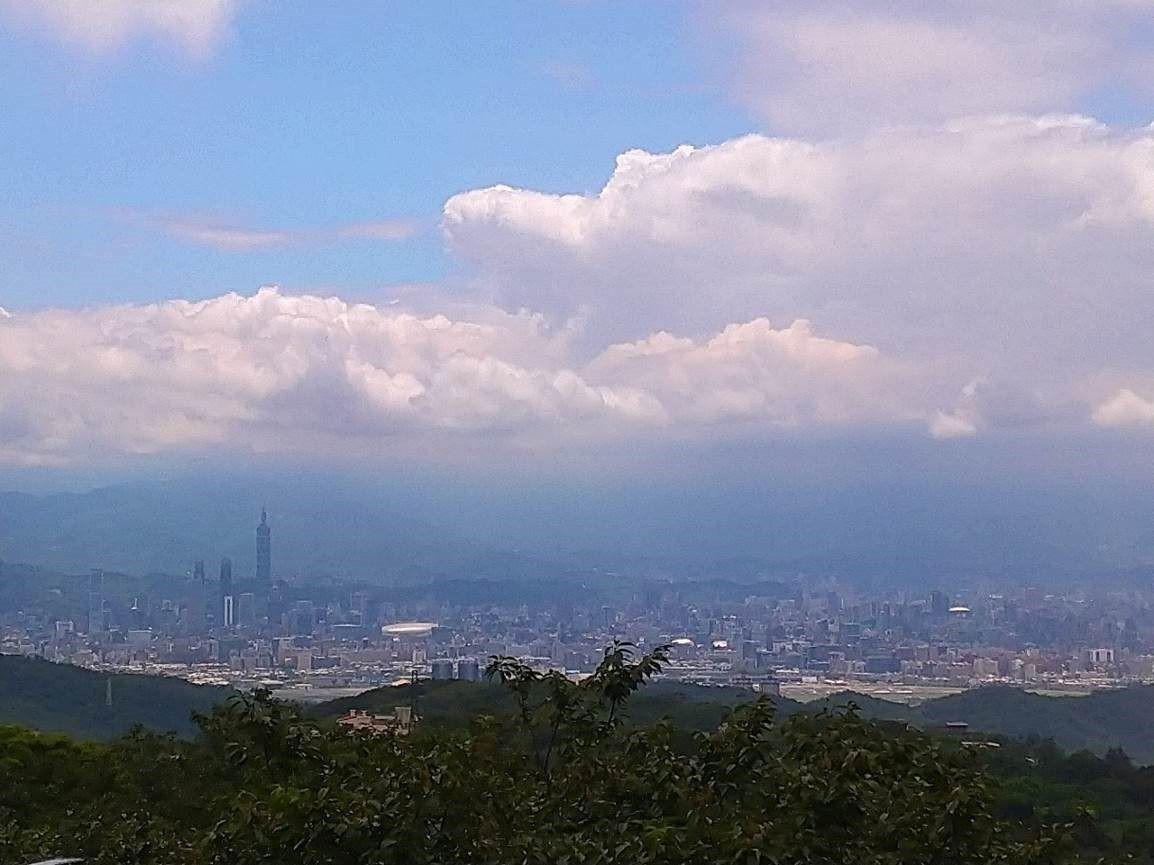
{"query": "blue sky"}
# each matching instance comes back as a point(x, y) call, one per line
point(569, 231)
point(373, 111)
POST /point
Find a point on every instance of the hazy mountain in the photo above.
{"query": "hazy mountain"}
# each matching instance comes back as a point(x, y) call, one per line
point(150, 527)
point(738, 521)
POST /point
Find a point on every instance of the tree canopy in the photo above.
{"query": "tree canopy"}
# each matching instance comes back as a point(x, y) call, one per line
point(565, 782)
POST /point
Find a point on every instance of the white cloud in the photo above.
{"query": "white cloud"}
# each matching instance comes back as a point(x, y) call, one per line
point(1125, 409)
point(754, 372)
point(960, 279)
point(1015, 250)
point(834, 65)
point(225, 238)
point(279, 373)
point(103, 25)
point(233, 238)
point(952, 426)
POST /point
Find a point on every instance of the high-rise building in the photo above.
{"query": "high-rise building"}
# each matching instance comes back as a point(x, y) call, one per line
point(303, 618)
point(263, 550)
point(442, 669)
point(246, 608)
point(227, 611)
point(468, 670)
point(96, 621)
point(939, 603)
point(198, 610)
point(361, 604)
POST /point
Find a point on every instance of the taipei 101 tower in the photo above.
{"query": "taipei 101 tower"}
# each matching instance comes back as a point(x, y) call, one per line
point(263, 551)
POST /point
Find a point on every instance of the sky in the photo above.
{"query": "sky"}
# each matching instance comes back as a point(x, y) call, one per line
point(672, 238)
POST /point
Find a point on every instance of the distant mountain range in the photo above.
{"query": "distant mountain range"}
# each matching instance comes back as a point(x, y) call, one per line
point(67, 699)
point(164, 527)
point(410, 528)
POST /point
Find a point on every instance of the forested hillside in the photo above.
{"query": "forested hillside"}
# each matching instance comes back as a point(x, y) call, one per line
point(1097, 723)
point(62, 698)
point(66, 699)
point(563, 781)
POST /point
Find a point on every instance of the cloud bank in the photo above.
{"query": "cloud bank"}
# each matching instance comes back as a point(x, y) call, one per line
point(273, 372)
point(974, 277)
point(1015, 251)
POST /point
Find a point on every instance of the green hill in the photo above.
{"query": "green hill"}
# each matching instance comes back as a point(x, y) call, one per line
point(454, 704)
point(66, 699)
point(1097, 722)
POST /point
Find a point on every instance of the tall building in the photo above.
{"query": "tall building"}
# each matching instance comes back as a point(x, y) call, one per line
point(245, 608)
point(263, 550)
point(227, 611)
point(304, 618)
point(198, 572)
point(96, 621)
point(939, 603)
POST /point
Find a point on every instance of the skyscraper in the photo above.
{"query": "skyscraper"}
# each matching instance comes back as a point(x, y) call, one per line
point(227, 614)
point(96, 623)
point(263, 550)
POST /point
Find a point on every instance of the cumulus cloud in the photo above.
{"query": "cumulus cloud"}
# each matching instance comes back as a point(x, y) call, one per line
point(103, 25)
point(274, 372)
point(959, 279)
point(1125, 409)
point(754, 372)
point(1011, 249)
point(835, 65)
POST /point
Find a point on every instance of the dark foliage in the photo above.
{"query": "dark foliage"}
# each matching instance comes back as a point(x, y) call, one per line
point(565, 781)
point(61, 698)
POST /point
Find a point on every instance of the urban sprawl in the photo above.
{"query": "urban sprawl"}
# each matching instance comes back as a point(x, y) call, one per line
point(804, 638)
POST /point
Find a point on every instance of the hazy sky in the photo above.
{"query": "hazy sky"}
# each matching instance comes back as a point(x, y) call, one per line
point(554, 226)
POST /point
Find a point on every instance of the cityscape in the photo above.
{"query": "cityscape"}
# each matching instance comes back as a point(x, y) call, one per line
point(804, 639)
point(663, 432)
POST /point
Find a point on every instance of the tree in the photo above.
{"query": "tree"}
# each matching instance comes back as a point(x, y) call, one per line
point(566, 781)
